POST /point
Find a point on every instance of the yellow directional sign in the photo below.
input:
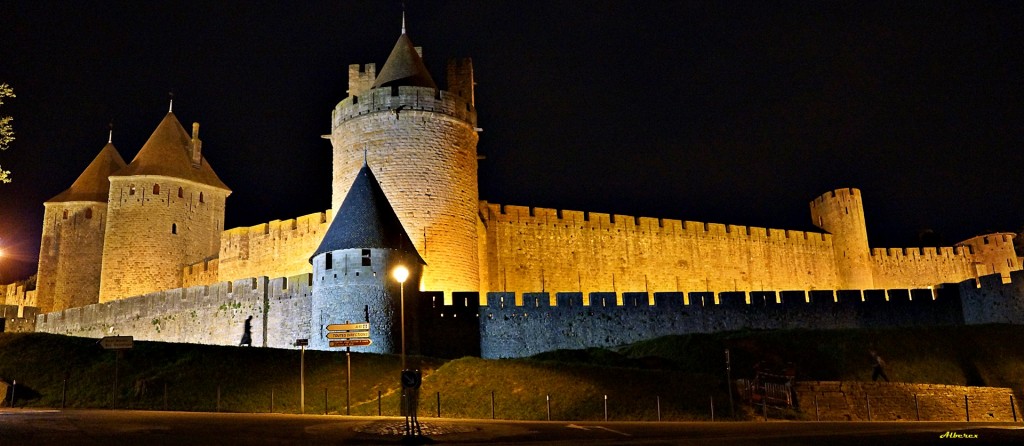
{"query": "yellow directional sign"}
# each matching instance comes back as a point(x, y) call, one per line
point(347, 334)
point(350, 343)
point(348, 327)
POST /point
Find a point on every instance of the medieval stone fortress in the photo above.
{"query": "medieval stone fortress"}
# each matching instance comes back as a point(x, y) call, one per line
point(140, 249)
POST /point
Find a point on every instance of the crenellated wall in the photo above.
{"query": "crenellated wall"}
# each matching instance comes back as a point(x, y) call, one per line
point(211, 314)
point(511, 330)
point(537, 249)
point(921, 267)
point(280, 248)
point(17, 319)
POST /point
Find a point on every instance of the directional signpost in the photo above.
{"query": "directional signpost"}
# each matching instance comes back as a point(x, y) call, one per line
point(117, 343)
point(348, 335)
point(302, 343)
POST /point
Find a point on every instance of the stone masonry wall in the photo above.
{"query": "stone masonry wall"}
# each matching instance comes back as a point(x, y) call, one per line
point(921, 267)
point(18, 319)
point(536, 249)
point(280, 248)
point(864, 401)
point(213, 314)
point(990, 301)
point(511, 330)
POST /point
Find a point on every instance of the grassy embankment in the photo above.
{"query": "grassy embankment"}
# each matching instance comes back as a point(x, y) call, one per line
point(683, 371)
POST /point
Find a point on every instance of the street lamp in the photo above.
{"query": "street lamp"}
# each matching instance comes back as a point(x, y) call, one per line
point(400, 273)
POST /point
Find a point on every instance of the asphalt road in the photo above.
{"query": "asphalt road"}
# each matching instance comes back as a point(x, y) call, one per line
point(111, 428)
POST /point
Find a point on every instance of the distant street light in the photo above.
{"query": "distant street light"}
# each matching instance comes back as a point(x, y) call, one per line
point(400, 273)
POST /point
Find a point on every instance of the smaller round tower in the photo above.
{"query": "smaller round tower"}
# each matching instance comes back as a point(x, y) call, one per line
point(352, 270)
point(71, 249)
point(993, 254)
point(841, 213)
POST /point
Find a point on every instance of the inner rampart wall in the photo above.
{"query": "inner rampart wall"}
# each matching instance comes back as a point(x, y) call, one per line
point(921, 267)
point(548, 250)
point(280, 248)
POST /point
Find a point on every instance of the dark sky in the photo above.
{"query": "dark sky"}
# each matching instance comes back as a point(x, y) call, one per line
point(730, 112)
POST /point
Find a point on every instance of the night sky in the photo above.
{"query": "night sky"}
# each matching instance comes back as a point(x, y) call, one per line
point(729, 112)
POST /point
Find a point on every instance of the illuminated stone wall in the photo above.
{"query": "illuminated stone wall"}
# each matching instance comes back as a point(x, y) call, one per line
point(892, 401)
point(536, 249)
point(841, 213)
point(70, 255)
point(18, 319)
point(280, 248)
point(421, 144)
point(150, 237)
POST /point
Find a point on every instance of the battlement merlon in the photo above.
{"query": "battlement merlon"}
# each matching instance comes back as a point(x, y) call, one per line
point(943, 252)
point(400, 99)
point(595, 220)
point(361, 78)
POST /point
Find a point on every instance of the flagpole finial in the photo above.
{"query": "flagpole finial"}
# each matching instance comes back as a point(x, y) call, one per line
point(403, 17)
point(170, 108)
point(110, 135)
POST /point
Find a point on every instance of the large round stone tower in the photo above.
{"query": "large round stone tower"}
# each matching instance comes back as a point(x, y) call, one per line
point(353, 266)
point(841, 213)
point(421, 141)
point(71, 250)
point(166, 211)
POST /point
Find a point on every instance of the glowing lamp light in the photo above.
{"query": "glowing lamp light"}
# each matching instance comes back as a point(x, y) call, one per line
point(400, 273)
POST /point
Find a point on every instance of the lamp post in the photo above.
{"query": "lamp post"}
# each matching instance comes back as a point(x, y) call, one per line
point(401, 273)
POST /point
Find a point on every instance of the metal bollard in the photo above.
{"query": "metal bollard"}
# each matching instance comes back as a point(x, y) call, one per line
point(439, 404)
point(271, 400)
point(165, 396)
point(712, 407)
point(817, 416)
point(64, 394)
point(867, 402)
point(917, 407)
point(492, 404)
point(1013, 408)
point(218, 398)
point(658, 401)
point(548, 398)
point(967, 409)
point(606, 407)
point(325, 401)
point(378, 403)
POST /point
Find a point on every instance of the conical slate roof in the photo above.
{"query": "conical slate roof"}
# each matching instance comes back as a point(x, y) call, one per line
point(168, 152)
point(404, 67)
point(366, 220)
point(92, 184)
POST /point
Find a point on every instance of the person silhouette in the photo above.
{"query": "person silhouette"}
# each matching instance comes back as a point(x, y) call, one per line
point(247, 334)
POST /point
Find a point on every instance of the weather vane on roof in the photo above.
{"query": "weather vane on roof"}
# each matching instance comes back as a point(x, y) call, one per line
point(110, 135)
point(170, 108)
point(403, 17)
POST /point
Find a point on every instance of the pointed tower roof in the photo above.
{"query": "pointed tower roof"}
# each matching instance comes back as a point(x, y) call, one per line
point(366, 220)
point(168, 153)
point(404, 67)
point(92, 184)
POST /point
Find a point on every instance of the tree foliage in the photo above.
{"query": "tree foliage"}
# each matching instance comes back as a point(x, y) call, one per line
point(6, 131)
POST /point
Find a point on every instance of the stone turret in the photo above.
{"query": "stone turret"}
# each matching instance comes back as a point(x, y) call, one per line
point(422, 143)
point(993, 253)
point(166, 210)
point(71, 250)
point(841, 212)
point(352, 269)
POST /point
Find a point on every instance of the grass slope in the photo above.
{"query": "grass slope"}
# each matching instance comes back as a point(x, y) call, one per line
point(682, 373)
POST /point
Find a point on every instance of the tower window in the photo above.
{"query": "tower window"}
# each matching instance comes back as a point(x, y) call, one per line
point(65, 214)
point(156, 189)
point(201, 198)
point(181, 193)
point(174, 228)
point(366, 257)
point(328, 261)
point(131, 190)
point(88, 213)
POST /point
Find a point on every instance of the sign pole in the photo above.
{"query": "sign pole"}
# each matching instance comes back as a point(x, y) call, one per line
point(348, 380)
point(302, 380)
point(113, 393)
